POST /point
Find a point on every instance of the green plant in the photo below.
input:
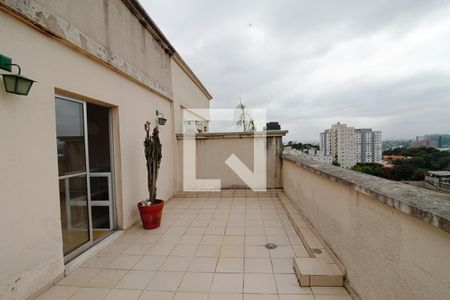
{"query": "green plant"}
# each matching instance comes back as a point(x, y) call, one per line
point(243, 118)
point(153, 155)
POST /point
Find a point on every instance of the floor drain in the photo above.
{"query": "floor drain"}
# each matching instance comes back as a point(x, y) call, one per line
point(270, 246)
point(316, 251)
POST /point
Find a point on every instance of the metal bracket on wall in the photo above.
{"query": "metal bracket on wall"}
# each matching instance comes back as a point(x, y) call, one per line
point(5, 63)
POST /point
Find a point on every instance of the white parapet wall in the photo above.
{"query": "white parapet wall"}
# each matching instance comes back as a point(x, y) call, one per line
point(392, 238)
point(213, 149)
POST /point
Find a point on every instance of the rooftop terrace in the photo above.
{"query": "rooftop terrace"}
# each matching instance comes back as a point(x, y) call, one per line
point(209, 246)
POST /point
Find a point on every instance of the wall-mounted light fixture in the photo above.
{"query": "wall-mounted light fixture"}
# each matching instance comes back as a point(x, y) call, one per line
point(161, 119)
point(14, 83)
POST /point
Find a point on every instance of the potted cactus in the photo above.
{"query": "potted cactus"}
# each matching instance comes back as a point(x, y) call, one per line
point(151, 208)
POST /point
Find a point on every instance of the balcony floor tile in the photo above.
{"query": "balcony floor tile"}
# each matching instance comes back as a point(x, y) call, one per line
point(209, 246)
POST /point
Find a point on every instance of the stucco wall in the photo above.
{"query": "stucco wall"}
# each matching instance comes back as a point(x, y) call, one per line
point(185, 95)
point(387, 253)
point(31, 244)
point(213, 149)
point(107, 31)
point(112, 25)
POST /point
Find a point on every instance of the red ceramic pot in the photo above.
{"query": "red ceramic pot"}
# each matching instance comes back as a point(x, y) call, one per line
point(151, 214)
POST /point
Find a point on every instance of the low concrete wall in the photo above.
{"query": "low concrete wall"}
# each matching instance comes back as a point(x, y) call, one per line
point(393, 239)
point(213, 149)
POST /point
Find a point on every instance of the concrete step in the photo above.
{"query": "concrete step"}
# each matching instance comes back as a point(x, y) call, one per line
point(317, 272)
point(322, 268)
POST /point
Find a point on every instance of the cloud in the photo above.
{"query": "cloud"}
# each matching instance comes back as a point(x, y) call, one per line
point(381, 64)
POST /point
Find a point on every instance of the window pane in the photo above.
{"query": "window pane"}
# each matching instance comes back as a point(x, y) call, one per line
point(99, 188)
point(100, 217)
point(70, 137)
point(74, 212)
point(98, 137)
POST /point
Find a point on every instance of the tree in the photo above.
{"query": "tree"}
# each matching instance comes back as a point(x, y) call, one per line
point(302, 147)
point(419, 174)
point(401, 173)
point(243, 118)
point(370, 168)
point(444, 162)
point(417, 159)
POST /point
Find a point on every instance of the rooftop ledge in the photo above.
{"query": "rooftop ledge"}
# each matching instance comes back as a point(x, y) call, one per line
point(232, 135)
point(426, 205)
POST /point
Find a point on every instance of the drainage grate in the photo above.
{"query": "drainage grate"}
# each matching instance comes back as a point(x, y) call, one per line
point(270, 246)
point(316, 251)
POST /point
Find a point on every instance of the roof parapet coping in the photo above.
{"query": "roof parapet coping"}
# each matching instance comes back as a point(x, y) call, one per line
point(232, 135)
point(141, 14)
point(425, 205)
point(31, 13)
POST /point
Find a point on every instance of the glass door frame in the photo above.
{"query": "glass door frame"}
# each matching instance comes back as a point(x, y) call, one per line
point(91, 242)
point(110, 205)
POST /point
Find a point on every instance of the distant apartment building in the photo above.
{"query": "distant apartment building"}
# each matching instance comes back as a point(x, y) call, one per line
point(325, 142)
point(342, 145)
point(424, 141)
point(368, 146)
point(348, 146)
point(311, 154)
point(441, 140)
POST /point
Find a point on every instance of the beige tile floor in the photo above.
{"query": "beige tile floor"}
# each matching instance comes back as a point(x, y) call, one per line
point(208, 248)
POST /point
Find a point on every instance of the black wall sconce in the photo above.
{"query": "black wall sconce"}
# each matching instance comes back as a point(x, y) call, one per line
point(161, 119)
point(14, 83)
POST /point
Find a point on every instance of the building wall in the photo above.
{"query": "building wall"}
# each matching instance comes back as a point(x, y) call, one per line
point(343, 145)
point(185, 95)
point(349, 146)
point(112, 25)
point(31, 253)
point(377, 147)
point(325, 142)
point(387, 253)
point(368, 146)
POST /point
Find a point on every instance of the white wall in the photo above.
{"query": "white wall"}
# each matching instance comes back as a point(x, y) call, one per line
point(213, 149)
point(112, 25)
point(31, 244)
point(185, 95)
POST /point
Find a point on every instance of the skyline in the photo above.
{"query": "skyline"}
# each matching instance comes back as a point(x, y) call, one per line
point(380, 65)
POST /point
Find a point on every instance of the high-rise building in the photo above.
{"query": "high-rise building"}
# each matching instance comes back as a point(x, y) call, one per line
point(424, 141)
point(325, 142)
point(368, 146)
point(349, 146)
point(343, 145)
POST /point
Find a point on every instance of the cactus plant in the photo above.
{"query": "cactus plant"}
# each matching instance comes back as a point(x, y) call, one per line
point(153, 155)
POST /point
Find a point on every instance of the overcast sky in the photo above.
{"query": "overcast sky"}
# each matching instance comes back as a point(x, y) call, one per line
point(381, 64)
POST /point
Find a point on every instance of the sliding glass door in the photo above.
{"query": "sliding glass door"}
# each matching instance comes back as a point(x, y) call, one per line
point(72, 167)
point(83, 135)
point(100, 169)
